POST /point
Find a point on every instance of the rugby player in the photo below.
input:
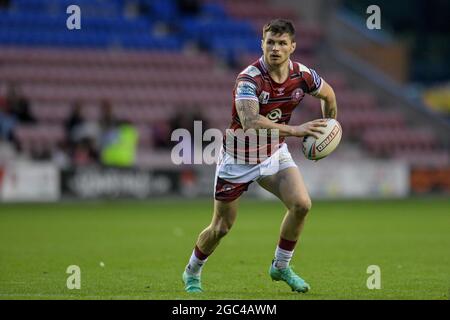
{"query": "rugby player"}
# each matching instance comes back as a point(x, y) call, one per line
point(265, 95)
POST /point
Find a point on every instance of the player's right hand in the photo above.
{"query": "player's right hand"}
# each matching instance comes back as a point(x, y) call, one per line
point(310, 128)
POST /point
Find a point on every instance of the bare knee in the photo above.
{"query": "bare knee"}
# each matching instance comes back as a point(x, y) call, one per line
point(301, 207)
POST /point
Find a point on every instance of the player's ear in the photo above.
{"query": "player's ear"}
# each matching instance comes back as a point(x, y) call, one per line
point(262, 45)
point(293, 46)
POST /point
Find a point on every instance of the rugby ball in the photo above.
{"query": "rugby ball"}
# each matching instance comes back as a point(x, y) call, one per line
point(315, 149)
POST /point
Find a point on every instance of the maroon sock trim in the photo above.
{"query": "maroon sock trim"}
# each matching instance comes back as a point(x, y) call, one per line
point(200, 255)
point(287, 244)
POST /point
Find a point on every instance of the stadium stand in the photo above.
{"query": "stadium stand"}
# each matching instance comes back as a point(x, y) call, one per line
point(121, 54)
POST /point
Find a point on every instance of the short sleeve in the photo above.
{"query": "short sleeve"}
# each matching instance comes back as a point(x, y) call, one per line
point(313, 81)
point(315, 84)
point(246, 86)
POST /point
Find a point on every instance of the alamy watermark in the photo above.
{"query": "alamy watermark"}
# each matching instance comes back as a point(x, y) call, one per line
point(74, 280)
point(73, 22)
point(374, 20)
point(247, 147)
point(374, 280)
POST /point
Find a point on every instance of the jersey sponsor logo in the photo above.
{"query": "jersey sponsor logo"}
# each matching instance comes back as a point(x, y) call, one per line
point(274, 115)
point(297, 94)
point(264, 97)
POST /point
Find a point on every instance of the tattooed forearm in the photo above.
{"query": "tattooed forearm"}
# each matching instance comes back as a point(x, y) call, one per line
point(327, 101)
point(248, 111)
point(329, 109)
point(250, 118)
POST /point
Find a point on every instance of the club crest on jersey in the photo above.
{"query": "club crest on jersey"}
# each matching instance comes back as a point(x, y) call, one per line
point(274, 115)
point(297, 94)
point(264, 97)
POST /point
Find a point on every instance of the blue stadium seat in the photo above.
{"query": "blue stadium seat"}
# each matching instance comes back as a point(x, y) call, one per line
point(88, 7)
point(103, 25)
point(213, 10)
point(164, 10)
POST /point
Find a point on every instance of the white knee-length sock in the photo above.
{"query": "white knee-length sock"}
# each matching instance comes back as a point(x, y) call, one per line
point(282, 258)
point(195, 265)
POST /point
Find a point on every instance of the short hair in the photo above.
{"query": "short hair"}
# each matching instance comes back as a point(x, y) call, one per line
point(280, 26)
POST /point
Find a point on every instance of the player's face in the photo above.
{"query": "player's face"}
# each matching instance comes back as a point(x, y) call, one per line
point(277, 48)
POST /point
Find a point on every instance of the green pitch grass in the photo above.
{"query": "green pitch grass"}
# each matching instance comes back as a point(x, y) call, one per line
point(137, 250)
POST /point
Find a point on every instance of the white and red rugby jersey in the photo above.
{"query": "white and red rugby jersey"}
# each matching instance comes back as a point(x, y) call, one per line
point(276, 102)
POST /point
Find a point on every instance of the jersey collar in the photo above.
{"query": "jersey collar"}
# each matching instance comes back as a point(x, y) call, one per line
point(264, 66)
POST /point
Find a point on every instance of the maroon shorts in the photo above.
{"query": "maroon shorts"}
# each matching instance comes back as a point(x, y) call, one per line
point(232, 179)
point(228, 191)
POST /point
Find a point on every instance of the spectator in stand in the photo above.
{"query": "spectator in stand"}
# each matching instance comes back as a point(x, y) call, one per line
point(107, 124)
point(19, 105)
point(185, 118)
point(117, 139)
point(81, 137)
point(162, 130)
point(161, 133)
point(121, 150)
point(85, 152)
point(60, 155)
point(181, 120)
point(14, 110)
point(7, 120)
point(74, 122)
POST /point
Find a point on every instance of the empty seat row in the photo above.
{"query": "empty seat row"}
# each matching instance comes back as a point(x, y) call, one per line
point(100, 57)
point(81, 39)
point(36, 140)
point(123, 76)
point(128, 95)
point(254, 10)
point(384, 141)
point(356, 122)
